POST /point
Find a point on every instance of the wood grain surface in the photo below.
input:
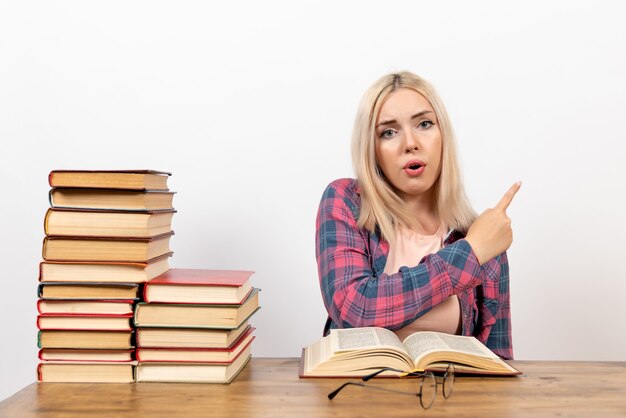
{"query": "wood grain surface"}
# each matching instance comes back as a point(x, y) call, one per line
point(270, 387)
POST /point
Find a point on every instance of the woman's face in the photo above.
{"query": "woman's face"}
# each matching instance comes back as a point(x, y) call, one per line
point(408, 143)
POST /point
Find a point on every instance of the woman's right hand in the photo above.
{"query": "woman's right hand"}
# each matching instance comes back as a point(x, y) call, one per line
point(491, 234)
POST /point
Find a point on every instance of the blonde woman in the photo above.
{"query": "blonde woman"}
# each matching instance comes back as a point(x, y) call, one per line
point(400, 246)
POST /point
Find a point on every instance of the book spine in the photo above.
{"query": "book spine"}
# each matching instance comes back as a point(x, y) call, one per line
point(39, 374)
point(50, 181)
point(145, 293)
point(50, 198)
point(46, 219)
point(135, 314)
point(137, 338)
point(43, 248)
point(39, 339)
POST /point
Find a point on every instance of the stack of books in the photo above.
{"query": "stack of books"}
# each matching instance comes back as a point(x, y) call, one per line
point(107, 232)
point(194, 326)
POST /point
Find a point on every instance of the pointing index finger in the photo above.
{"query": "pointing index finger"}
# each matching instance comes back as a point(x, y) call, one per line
point(506, 200)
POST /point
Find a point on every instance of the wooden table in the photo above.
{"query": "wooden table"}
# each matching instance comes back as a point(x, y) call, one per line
point(270, 387)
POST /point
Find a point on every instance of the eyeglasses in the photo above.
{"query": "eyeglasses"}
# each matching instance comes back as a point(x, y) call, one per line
point(427, 385)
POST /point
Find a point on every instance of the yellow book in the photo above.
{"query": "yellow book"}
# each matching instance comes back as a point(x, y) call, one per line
point(112, 199)
point(105, 249)
point(101, 372)
point(110, 179)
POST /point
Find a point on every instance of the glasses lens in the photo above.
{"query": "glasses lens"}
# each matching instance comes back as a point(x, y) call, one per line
point(428, 390)
point(448, 381)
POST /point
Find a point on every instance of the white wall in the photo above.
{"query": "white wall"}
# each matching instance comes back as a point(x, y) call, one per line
point(250, 105)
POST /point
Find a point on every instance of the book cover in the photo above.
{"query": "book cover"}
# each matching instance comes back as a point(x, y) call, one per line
point(203, 277)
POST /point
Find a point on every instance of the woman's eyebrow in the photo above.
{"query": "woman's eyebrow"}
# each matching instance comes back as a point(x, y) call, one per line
point(422, 113)
point(392, 121)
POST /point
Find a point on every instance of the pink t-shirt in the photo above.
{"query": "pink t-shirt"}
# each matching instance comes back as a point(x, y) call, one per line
point(407, 250)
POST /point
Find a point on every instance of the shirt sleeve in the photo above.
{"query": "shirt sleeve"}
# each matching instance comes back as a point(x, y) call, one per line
point(493, 303)
point(355, 297)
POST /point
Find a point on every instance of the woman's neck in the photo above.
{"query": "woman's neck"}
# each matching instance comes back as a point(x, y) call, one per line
point(423, 207)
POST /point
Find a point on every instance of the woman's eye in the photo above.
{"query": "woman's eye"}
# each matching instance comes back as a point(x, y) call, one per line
point(387, 133)
point(425, 124)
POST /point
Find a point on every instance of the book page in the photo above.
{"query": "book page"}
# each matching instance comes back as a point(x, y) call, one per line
point(422, 342)
point(363, 338)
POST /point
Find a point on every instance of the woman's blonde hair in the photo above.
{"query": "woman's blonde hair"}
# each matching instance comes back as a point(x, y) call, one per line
point(381, 205)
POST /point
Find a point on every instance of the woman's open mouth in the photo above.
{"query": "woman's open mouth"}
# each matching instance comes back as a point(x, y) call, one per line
point(414, 167)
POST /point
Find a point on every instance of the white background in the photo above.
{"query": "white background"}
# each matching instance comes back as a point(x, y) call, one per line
point(251, 104)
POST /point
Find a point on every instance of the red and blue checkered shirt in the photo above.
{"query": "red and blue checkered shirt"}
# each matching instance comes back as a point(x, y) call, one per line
point(357, 293)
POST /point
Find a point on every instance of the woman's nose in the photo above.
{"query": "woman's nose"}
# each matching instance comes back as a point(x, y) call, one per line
point(411, 141)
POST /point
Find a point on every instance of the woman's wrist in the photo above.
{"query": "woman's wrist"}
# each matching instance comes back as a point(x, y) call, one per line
point(476, 249)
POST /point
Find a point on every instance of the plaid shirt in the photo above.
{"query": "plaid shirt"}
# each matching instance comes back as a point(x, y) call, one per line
point(357, 292)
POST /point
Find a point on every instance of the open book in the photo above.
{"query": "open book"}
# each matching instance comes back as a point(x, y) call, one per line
point(361, 351)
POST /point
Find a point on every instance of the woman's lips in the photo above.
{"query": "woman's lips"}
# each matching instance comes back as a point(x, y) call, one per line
point(413, 172)
point(414, 168)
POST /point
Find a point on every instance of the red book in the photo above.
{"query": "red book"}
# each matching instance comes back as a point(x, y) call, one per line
point(196, 355)
point(85, 322)
point(199, 286)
